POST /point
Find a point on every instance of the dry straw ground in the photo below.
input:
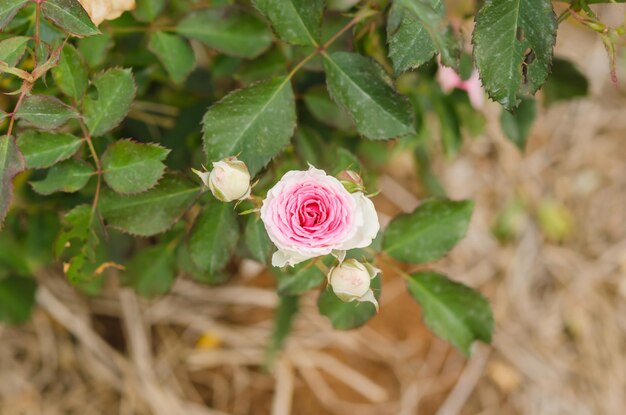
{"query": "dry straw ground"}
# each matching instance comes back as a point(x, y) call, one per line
point(560, 340)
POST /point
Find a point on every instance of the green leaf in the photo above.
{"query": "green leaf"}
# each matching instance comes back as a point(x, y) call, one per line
point(70, 74)
point(214, 237)
point(254, 123)
point(69, 176)
point(8, 10)
point(256, 239)
point(449, 125)
point(283, 321)
point(360, 87)
point(95, 48)
point(346, 316)
point(12, 49)
point(516, 125)
point(17, 298)
point(295, 21)
point(116, 92)
point(11, 163)
point(152, 271)
point(301, 278)
point(148, 10)
point(416, 31)
point(453, 311)
point(42, 149)
point(131, 167)
point(175, 54)
point(429, 232)
point(320, 105)
point(70, 16)
point(227, 30)
point(45, 112)
point(151, 212)
point(565, 82)
point(513, 41)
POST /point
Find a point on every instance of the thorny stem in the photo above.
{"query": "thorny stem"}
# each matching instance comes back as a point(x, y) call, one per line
point(96, 160)
point(26, 87)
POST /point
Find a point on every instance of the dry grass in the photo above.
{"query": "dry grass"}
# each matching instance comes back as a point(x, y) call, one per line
point(560, 341)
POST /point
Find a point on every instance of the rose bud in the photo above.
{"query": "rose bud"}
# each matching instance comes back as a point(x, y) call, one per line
point(229, 180)
point(351, 279)
point(351, 181)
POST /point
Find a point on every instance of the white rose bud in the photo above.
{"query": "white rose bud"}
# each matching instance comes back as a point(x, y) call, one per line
point(229, 180)
point(351, 181)
point(351, 280)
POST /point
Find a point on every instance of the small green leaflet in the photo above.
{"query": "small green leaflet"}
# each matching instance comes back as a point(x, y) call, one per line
point(131, 167)
point(229, 31)
point(70, 74)
point(360, 87)
point(116, 92)
point(214, 237)
point(301, 278)
point(513, 41)
point(516, 125)
point(70, 16)
point(347, 316)
point(148, 10)
point(564, 83)
point(416, 31)
point(256, 239)
point(429, 232)
point(17, 297)
point(12, 49)
point(95, 48)
point(320, 105)
point(151, 212)
point(254, 123)
point(175, 54)
point(151, 272)
point(69, 176)
point(45, 112)
point(453, 311)
point(42, 149)
point(11, 163)
point(8, 10)
point(295, 21)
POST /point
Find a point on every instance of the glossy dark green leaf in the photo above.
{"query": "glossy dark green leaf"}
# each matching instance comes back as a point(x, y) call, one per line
point(254, 123)
point(42, 149)
point(151, 272)
point(565, 82)
point(228, 30)
point(347, 316)
point(148, 10)
point(70, 74)
point(116, 92)
point(17, 298)
point(151, 212)
point(45, 112)
point(453, 311)
point(516, 124)
point(513, 41)
point(70, 16)
point(417, 31)
point(11, 163)
point(361, 87)
point(214, 237)
point(429, 232)
point(8, 10)
point(131, 167)
point(295, 21)
point(175, 54)
point(256, 239)
point(69, 176)
point(12, 49)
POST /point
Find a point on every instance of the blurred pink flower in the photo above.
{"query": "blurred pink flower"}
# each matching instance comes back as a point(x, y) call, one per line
point(101, 10)
point(448, 80)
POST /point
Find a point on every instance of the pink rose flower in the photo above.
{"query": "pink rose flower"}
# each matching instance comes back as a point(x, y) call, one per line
point(309, 214)
point(448, 80)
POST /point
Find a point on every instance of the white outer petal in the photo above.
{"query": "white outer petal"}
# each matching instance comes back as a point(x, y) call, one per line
point(367, 226)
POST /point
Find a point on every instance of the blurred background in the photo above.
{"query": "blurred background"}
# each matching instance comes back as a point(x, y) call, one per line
point(547, 246)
